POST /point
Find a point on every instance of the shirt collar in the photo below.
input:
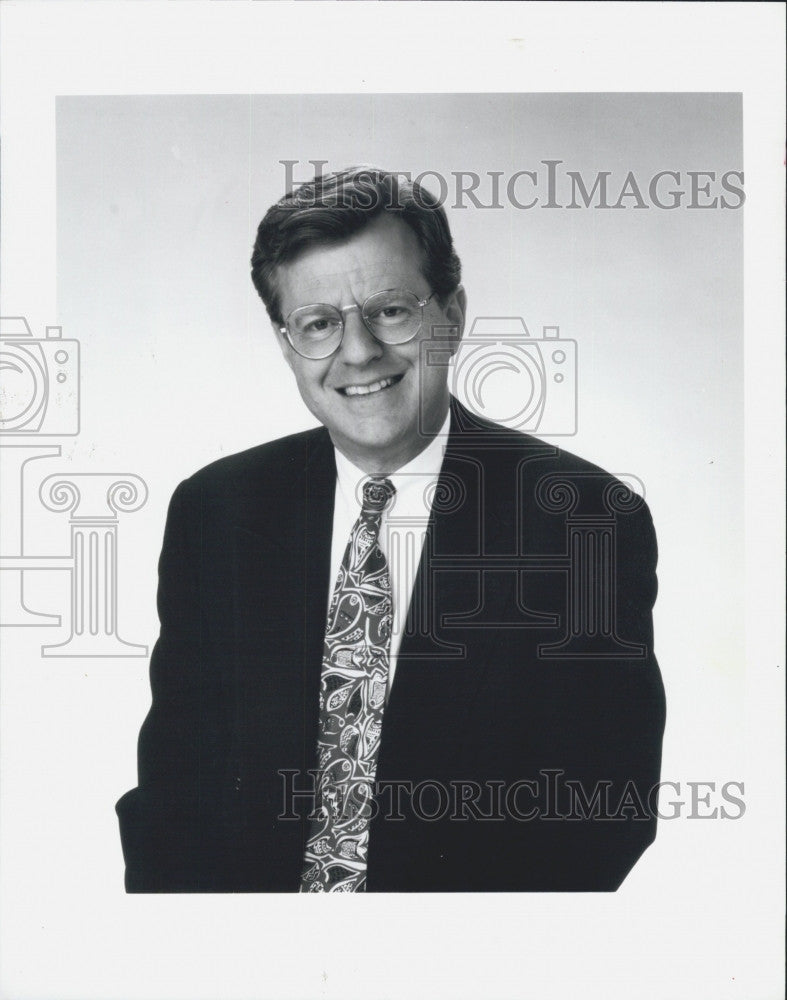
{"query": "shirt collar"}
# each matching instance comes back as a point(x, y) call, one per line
point(408, 480)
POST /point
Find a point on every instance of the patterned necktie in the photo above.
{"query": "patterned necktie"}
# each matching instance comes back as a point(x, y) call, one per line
point(354, 679)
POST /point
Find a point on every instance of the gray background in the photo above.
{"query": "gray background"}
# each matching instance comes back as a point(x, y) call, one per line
point(158, 202)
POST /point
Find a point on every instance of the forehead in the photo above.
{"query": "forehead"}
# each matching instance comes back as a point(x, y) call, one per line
point(384, 254)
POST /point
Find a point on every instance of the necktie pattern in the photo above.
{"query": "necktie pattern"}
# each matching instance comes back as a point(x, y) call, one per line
point(353, 684)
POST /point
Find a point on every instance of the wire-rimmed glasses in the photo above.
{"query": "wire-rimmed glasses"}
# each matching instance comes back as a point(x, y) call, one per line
point(392, 316)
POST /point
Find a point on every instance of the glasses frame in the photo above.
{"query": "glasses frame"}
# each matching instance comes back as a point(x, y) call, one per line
point(422, 303)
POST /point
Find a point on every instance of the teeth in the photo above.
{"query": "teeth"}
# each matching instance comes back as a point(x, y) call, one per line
point(365, 390)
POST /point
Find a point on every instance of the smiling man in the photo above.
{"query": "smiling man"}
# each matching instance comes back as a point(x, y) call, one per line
point(380, 403)
point(384, 662)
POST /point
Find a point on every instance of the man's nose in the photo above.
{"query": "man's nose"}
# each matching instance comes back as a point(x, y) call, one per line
point(358, 345)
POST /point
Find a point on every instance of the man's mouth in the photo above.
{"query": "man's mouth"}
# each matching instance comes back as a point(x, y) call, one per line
point(371, 387)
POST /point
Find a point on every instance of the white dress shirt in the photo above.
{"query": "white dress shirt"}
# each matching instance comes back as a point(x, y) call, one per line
point(403, 527)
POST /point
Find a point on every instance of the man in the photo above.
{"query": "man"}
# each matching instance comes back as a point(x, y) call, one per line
point(409, 650)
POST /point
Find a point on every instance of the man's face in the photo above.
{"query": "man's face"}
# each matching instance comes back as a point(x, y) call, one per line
point(381, 430)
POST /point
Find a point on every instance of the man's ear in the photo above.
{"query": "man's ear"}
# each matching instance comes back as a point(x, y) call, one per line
point(456, 311)
point(284, 344)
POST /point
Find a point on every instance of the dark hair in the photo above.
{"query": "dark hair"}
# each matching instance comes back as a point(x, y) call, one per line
point(333, 207)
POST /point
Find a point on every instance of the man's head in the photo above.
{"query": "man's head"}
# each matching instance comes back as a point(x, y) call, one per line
point(338, 241)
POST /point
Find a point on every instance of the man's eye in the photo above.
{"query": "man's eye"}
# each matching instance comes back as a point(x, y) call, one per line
point(390, 314)
point(317, 326)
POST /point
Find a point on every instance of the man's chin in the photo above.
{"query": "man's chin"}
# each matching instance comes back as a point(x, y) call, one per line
point(377, 449)
point(373, 444)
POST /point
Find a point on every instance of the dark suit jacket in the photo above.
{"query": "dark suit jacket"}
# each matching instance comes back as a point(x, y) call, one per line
point(549, 678)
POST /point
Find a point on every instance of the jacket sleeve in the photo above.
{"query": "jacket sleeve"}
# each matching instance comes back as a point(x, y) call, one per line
point(592, 737)
point(171, 824)
point(627, 716)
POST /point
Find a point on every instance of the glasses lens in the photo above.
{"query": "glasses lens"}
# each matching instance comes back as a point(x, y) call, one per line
point(394, 316)
point(315, 331)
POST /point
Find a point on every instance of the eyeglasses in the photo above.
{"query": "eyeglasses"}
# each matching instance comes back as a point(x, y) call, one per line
point(393, 316)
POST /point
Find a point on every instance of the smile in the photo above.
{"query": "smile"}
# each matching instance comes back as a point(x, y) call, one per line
point(371, 388)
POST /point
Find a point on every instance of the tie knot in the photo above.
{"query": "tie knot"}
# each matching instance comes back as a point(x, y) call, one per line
point(377, 494)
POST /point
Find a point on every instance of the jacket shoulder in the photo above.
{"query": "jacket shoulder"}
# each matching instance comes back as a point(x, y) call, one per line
point(497, 445)
point(540, 472)
point(282, 458)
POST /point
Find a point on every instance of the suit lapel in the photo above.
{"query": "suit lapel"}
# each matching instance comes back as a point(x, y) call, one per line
point(443, 664)
point(318, 533)
point(463, 525)
point(437, 678)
